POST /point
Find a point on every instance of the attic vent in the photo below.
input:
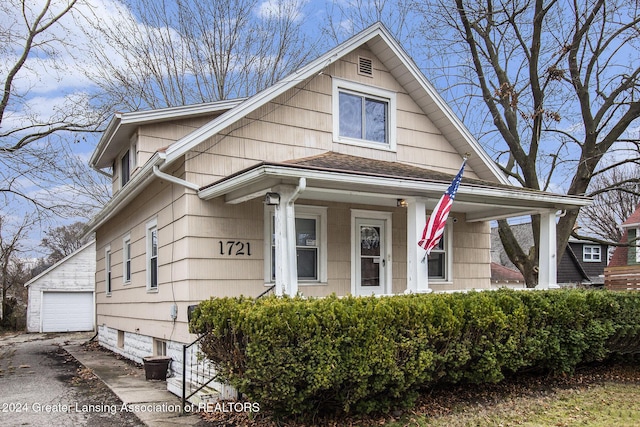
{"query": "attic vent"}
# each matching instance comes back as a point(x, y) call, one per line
point(365, 66)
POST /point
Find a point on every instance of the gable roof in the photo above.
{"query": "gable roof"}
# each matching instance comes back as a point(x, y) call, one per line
point(620, 256)
point(87, 246)
point(403, 69)
point(501, 273)
point(122, 126)
point(633, 220)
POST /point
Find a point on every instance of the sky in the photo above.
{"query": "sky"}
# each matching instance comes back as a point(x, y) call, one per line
point(50, 80)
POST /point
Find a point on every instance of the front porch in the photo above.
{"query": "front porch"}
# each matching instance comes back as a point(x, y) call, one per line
point(368, 215)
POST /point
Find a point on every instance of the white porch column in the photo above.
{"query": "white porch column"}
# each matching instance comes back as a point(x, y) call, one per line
point(285, 236)
point(417, 273)
point(547, 258)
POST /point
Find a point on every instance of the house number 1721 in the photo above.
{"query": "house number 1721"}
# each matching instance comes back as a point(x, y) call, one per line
point(235, 248)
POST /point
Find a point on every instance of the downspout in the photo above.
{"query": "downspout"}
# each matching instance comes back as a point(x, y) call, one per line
point(302, 185)
point(286, 271)
point(157, 172)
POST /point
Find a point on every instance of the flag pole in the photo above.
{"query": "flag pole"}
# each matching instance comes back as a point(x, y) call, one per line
point(437, 220)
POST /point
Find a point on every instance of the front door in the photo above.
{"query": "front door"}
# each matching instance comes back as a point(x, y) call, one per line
point(370, 260)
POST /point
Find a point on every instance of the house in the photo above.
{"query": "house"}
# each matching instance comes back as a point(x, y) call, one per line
point(623, 270)
point(506, 277)
point(582, 262)
point(61, 298)
point(319, 184)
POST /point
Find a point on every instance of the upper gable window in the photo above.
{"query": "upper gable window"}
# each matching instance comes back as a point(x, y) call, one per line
point(125, 171)
point(364, 115)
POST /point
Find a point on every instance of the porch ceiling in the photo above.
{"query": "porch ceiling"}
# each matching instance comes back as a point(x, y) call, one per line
point(342, 178)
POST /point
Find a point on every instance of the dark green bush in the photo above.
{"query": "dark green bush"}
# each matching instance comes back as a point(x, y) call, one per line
point(360, 355)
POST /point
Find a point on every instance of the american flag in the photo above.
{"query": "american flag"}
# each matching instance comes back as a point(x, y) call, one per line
point(435, 224)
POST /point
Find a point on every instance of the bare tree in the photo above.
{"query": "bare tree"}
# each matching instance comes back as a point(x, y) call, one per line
point(558, 84)
point(163, 53)
point(64, 240)
point(347, 18)
point(12, 271)
point(616, 195)
point(34, 141)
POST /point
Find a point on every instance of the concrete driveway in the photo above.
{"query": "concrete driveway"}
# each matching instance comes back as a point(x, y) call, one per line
point(41, 385)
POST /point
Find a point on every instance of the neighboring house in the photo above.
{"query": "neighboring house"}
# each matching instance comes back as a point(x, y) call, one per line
point(61, 298)
point(319, 184)
point(623, 271)
point(582, 263)
point(505, 277)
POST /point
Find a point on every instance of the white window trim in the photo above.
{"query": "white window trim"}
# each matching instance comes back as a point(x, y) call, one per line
point(126, 239)
point(151, 225)
point(448, 258)
point(319, 212)
point(365, 90)
point(591, 254)
point(108, 272)
point(133, 153)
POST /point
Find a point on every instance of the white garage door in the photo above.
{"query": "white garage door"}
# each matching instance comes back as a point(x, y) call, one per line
point(67, 311)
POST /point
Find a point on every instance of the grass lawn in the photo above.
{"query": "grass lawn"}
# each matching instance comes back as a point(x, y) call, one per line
point(595, 396)
point(607, 404)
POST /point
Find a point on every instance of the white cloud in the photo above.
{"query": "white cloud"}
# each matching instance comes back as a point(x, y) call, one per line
point(281, 8)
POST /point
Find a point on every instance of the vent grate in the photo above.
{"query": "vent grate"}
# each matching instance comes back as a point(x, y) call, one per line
point(365, 66)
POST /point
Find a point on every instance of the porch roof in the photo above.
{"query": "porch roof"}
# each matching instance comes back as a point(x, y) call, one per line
point(344, 178)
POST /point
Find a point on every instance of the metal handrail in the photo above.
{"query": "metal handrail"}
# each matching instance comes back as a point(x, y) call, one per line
point(265, 293)
point(185, 347)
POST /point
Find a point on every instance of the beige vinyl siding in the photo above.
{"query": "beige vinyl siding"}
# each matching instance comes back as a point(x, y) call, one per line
point(471, 256)
point(130, 307)
point(299, 124)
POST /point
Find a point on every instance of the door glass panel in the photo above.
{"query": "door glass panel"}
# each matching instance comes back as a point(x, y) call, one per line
point(369, 255)
point(369, 241)
point(370, 271)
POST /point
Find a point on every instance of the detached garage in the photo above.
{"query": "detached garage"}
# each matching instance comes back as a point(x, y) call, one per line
point(61, 299)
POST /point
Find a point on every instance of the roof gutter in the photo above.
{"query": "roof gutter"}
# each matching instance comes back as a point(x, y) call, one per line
point(134, 187)
point(157, 172)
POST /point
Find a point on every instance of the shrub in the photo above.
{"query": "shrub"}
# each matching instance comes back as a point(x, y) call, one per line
point(366, 354)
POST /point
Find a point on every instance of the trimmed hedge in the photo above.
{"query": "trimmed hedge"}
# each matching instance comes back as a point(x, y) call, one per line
point(360, 355)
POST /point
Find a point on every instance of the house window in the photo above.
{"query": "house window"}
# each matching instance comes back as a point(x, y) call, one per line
point(126, 259)
point(152, 255)
point(120, 339)
point(107, 268)
point(364, 115)
point(125, 169)
point(439, 259)
point(159, 347)
point(591, 253)
point(310, 244)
